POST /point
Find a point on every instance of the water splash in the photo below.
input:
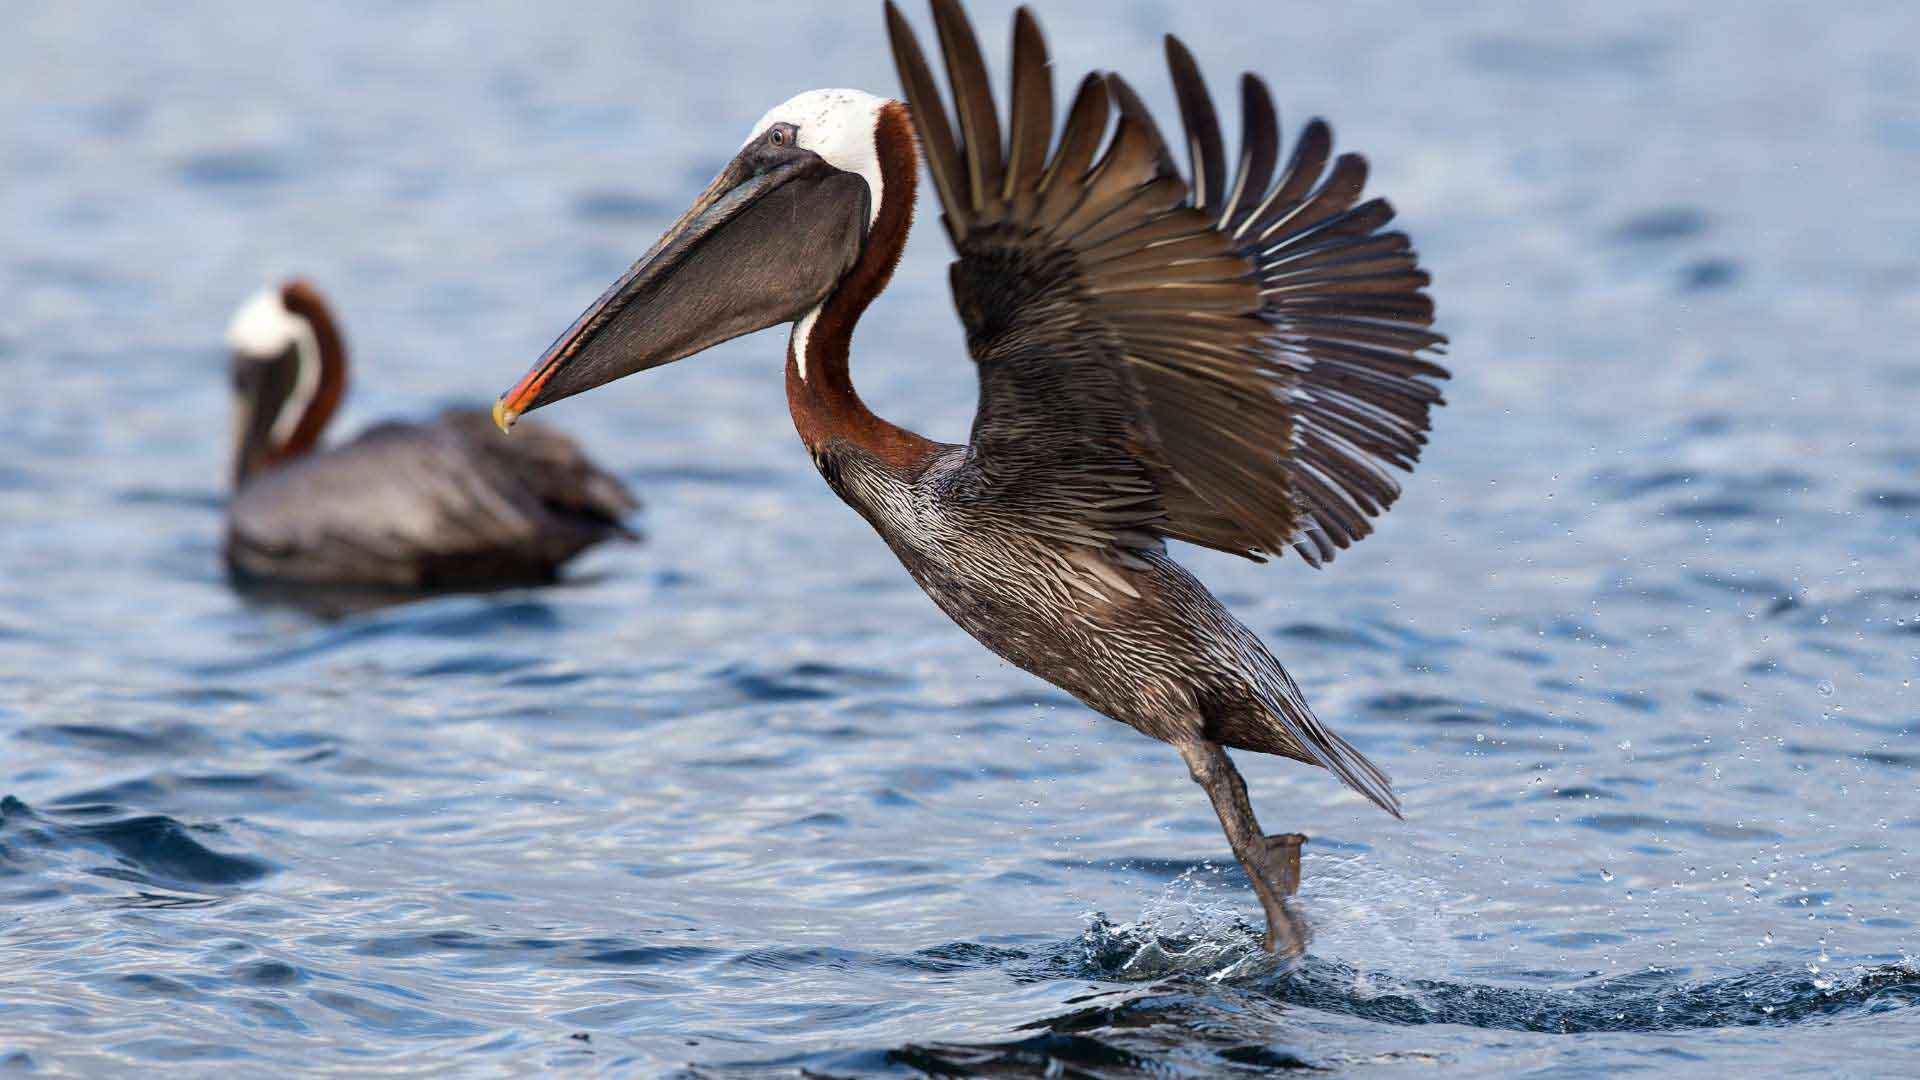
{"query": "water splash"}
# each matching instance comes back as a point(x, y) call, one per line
point(1192, 927)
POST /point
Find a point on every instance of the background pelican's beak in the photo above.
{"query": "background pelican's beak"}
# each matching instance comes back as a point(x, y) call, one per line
point(262, 389)
point(763, 244)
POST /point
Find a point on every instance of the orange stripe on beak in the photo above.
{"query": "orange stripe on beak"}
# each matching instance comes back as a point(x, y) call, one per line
point(515, 401)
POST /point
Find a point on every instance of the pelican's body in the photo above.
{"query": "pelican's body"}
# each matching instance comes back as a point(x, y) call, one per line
point(445, 503)
point(1230, 364)
point(1140, 640)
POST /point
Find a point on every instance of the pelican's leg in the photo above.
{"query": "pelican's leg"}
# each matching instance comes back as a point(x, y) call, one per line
point(1272, 863)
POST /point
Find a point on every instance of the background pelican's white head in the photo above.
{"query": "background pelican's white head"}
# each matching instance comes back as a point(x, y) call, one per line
point(264, 331)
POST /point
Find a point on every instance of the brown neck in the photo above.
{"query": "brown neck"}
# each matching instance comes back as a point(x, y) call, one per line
point(821, 398)
point(304, 300)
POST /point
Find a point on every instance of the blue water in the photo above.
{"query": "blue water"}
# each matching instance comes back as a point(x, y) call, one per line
point(1638, 643)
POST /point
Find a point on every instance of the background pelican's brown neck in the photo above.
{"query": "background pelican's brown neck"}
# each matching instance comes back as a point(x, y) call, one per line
point(820, 393)
point(303, 300)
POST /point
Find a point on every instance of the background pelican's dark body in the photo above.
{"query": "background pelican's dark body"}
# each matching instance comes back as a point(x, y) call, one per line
point(445, 503)
point(449, 836)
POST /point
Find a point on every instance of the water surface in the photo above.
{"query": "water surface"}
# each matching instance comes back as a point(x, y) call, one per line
point(1637, 644)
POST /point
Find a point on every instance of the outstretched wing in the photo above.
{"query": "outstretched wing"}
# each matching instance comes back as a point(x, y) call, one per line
point(1233, 360)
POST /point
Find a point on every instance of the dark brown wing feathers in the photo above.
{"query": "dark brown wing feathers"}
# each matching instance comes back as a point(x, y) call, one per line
point(1259, 151)
point(1079, 140)
point(973, 104)
point(1246, 345)
point(930, 120)
point(1030, 133)
point(1205, 152)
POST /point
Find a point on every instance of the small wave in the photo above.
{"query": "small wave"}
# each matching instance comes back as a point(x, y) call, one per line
point(367, 618)
point(475, 950)
point(1119, 1033)
point(160, 740)
point(1707, 275)
point(184, 498)
point(149, 851)
point(1644, 1002)
point(233, 168)
point(1191, 945)
point(1662, 226)
point(1892, 500)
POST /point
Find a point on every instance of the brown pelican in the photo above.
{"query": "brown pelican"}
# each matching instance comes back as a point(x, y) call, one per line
point(449, 503)
point(1229, 359)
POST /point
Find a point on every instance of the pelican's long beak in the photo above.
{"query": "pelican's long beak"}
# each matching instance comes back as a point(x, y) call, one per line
point(765, 243)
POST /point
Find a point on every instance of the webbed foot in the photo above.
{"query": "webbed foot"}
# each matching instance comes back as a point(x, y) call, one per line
point(1272, 863)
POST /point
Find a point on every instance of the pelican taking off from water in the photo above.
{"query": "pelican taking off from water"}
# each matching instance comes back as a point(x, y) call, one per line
point(1233, 359)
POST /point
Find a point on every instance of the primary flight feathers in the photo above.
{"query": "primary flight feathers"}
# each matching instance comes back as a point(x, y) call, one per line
point(1231, 359)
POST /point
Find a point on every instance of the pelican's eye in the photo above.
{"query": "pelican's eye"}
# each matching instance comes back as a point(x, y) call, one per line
point(780, 135)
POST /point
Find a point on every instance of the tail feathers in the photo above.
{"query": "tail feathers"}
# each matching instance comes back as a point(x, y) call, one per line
point(1358, 772)
point(1283, 724)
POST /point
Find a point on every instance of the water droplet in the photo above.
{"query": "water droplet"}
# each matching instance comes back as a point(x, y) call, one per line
point(1606, 875)
point(1824, 688)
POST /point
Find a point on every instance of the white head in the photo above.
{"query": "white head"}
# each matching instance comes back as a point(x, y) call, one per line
point(264, 332)
point(263, 326)
point(289, 371)
point(842, 126)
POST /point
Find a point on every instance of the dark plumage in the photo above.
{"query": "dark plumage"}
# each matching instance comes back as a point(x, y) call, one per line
point(447, 503)
point(1228, 361)
point(1236, 360)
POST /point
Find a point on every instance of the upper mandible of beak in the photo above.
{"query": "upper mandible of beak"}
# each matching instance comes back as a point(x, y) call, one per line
point(757, 248)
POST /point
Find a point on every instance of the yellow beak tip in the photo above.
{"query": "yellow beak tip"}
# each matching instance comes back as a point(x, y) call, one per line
point(504, 416)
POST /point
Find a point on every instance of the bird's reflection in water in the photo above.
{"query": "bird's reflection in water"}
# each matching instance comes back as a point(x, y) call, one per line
point(335, 603)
